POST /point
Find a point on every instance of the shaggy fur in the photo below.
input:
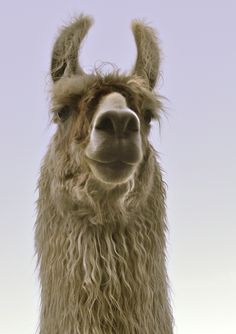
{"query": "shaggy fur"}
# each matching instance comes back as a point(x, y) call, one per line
point(101, 247)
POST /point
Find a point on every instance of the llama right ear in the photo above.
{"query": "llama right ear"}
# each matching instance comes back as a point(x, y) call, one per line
point(148, 53)
point(65, 51)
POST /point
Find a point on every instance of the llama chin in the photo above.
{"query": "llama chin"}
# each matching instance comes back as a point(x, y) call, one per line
point(100, 232)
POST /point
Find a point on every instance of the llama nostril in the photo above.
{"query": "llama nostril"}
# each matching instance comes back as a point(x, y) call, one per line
point(116, 122)
point(132, 125)
point(105, 124)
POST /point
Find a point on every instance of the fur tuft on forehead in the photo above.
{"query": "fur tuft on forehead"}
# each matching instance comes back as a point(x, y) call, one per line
point(91, 88)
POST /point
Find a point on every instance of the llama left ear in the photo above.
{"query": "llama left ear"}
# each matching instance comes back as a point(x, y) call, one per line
point(65, 52)
point(148, 53)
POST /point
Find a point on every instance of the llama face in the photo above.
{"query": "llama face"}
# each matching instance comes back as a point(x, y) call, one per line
point(103, 120)
point(115, 147)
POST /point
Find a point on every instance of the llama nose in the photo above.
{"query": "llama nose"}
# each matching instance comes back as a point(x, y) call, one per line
point(118, 123)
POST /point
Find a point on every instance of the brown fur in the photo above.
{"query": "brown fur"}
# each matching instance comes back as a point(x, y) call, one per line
point(101, 248)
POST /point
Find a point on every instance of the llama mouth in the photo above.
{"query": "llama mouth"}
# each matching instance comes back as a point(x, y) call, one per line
point(113, 165)
point(112, 172)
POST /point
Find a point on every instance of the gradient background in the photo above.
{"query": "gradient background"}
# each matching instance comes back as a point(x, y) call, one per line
point(197, 145)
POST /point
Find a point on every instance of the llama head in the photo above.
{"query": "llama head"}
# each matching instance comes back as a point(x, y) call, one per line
point(103, 120)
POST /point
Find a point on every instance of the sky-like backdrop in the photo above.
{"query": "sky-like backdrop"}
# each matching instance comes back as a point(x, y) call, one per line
point(196, 144)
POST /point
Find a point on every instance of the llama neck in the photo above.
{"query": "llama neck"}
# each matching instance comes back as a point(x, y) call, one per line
point(105, 276)
point(101, 268)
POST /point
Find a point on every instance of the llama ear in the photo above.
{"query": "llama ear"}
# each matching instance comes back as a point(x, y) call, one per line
point(148, 53)
point(65, 51)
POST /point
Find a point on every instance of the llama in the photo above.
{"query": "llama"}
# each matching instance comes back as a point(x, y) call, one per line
point(101, 226)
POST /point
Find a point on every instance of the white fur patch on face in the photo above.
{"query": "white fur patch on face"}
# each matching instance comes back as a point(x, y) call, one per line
point(113, 101)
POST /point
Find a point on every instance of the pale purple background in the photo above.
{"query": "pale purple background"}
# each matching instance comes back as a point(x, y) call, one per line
point(197, 144)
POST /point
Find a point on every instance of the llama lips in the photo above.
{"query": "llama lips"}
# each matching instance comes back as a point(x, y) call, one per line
point(114, 165)
point(112, 172)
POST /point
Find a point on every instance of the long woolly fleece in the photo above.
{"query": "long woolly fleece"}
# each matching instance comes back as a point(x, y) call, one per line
point(101, 247)
point(102, 257)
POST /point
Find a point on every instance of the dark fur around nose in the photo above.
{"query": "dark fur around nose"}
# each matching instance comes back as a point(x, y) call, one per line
point(117, 123)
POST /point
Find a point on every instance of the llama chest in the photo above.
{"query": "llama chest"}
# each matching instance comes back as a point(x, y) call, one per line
point(102, 257)
point(102, 272)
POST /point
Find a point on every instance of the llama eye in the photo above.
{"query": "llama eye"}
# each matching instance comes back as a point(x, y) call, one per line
point(64, 113)
point(148, 117)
